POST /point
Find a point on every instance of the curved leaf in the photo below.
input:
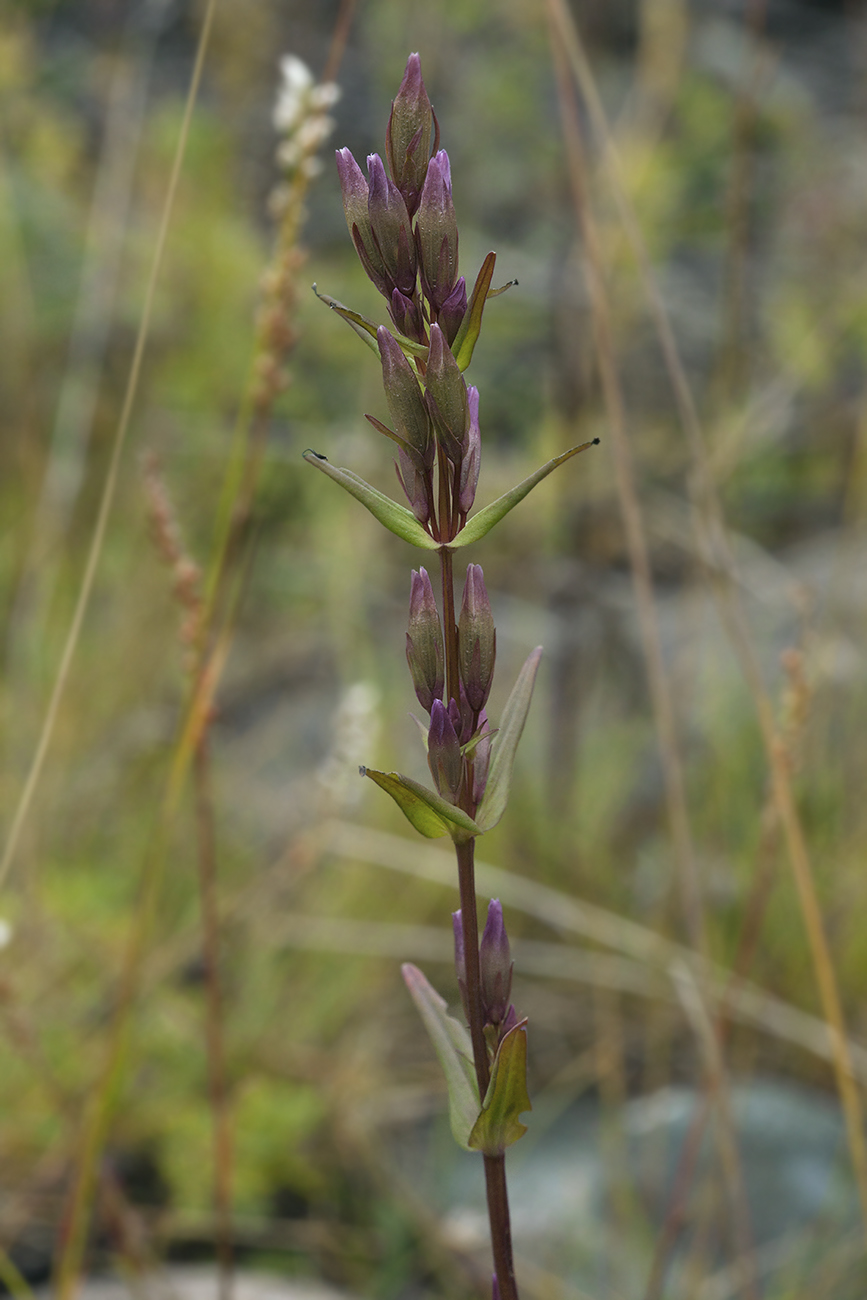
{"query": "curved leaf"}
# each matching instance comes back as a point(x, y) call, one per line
point(498, 1125)
point(483, 522)
point(393, 516)
point(454, 1049)
point(470, 326)
point(496, 795)
point(366, 329)
point(428, 813)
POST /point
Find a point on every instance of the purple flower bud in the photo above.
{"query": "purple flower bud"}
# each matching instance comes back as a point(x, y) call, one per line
point(406, 316)
point(509, 1022)
point(392, 231)
point(444, 753)
point(453, 310)
point(408, 136)
point(460, 960)
point(424, 641)
point(414, 484)
point(446, 395)
point(481, 759)
point(472, 456)
point(477, 639)
point(495, 964)
point(437, 232)
point(406, 404)
point(355, 192)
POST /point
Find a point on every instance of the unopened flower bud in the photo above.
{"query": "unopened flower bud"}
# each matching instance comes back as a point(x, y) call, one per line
point(447, 395)
point(406, 404)
point(406, 316)
point(437, 232)
point(495, 965)
point(414, 484)
point(356, 193)
point(471, 460)
point(408, 136)
point(424, 642)
point(391, 227)
point(444, 752)
point(477, 639)
point(453, 310)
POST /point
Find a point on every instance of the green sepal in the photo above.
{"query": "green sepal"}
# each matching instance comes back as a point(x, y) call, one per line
point(498, 1125)
point(393, 516)
point(484, 521)
point(366, 329)
point(514, 715)
point(453, 1047)
point(470, 326)
point(426, 811)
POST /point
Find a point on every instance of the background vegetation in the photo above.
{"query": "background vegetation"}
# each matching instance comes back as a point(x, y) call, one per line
point(738, 137)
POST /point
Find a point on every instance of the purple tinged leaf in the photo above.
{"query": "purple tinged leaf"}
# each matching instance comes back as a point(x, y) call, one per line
point(495, 963)
point(408, 136)
point(424, 641)
point(477, 639)
point(454, 1049)
point(444, 753)
point(512, 721)
point(465, 341)
point(437, 232)
point(495, 1287)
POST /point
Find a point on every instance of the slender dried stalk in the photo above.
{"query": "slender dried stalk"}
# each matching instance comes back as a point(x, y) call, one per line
point(220, 1110)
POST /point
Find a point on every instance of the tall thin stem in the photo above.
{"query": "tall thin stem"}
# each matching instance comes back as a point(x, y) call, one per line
point(495, 1166)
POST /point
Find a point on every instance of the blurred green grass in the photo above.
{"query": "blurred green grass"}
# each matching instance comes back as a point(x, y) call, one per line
point(312, 1037)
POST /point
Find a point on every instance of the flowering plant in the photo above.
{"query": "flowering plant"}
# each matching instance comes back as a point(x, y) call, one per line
point(402, 223)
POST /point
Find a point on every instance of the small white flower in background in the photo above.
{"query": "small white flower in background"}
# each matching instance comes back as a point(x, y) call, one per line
point(300, 116)
point(294, 92)
point(356, 728)
point(5, 932)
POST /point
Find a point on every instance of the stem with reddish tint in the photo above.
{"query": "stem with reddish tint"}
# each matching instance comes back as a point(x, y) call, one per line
point(495, 1166)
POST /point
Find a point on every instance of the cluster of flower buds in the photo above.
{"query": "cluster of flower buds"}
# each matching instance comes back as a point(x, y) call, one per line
point(402, 222)
point(459, 737)
point(495, 963)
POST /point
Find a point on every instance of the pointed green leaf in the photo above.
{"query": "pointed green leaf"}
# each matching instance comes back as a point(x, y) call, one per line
point(498, 1125)
point(470, 326)
point(427, 812)
point(393, 516)
point(496, 795)
point(452, 1045)
point(366, 329)
point(484, 521)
